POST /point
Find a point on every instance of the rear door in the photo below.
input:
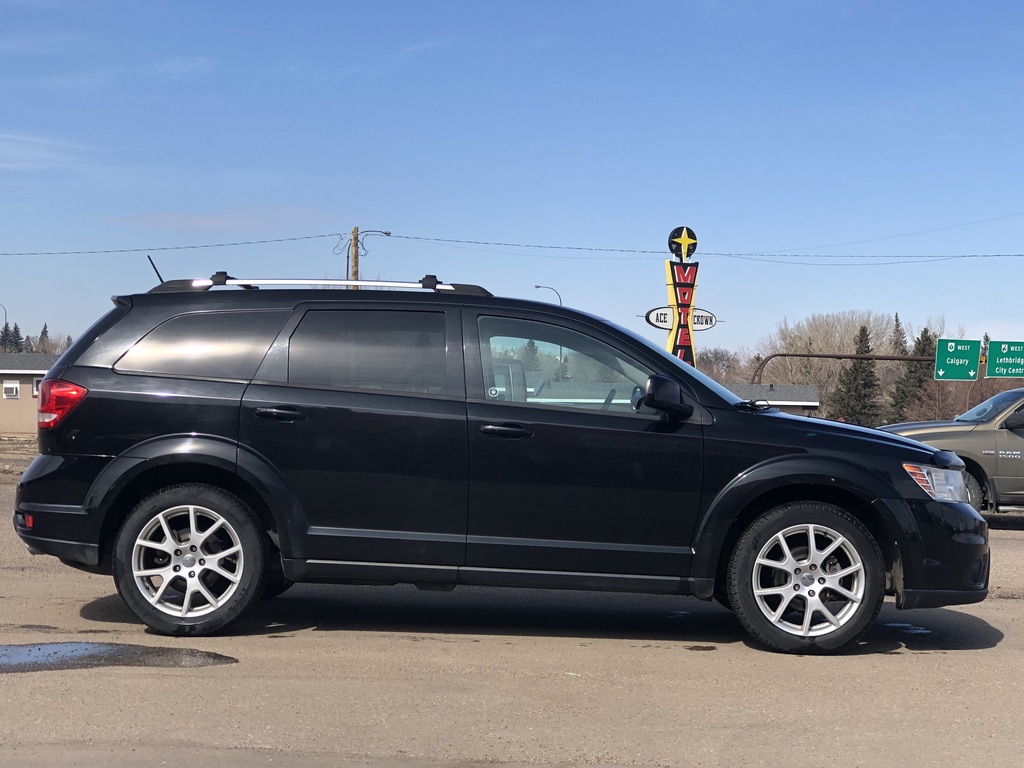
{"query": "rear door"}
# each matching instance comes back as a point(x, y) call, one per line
point(362, 410)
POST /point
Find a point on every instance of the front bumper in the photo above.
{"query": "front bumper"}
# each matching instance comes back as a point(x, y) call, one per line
point(948, 561)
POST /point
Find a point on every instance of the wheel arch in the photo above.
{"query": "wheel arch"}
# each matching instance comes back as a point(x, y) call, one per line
point(169, 461)
point(762, 489)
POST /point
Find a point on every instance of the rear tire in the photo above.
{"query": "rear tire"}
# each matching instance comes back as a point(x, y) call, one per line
point(190, 559)
point(806, 577)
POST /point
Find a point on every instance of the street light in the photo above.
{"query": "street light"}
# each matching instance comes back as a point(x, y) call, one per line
point(551, 289)
point(561, 361)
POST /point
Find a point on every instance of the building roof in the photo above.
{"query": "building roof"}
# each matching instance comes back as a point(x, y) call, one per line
point(794, 395)
point(26, 363)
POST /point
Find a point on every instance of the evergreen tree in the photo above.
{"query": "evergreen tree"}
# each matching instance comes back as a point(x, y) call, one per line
point(17, 341)
point(5, 338)
point(912, 393)
point(856, 398)
point(43, 344)
point(900, 396)
point(531, 360)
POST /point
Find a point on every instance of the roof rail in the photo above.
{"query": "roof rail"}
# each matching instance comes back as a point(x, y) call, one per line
point(427, 283)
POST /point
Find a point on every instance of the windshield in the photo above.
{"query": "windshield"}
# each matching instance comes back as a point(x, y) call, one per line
point(989, 409)
point(707, 381)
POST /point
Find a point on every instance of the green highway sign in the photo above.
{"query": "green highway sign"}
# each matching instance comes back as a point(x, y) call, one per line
point(957, 359)
point(1005, 359)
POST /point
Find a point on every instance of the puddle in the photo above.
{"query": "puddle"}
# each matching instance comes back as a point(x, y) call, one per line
point(908, 629)
point(55, 656)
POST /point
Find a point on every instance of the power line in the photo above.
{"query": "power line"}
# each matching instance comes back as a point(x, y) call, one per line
point(770, 258)
point(172, 247)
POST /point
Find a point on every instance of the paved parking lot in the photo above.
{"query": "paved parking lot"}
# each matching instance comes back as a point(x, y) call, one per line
point(389, 676)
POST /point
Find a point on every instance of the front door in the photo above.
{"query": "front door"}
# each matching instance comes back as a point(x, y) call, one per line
point(567, 481)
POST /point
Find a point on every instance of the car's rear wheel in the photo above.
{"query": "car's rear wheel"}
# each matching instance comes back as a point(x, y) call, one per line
point(190, 559)
point(806, 577)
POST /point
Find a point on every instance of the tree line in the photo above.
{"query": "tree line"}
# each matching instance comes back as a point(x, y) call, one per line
point(12, 341)
point(865, 392)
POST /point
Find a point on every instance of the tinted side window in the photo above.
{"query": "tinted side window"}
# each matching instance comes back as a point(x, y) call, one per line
point(531, 362)
point(397, 351)
point(216, 345)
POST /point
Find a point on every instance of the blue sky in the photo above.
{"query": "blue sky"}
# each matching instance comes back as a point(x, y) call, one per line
point(779, 129)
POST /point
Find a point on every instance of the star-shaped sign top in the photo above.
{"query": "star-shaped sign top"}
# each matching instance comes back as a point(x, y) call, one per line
point(682, 242)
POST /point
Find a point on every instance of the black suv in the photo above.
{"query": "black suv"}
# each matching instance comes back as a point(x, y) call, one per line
point(211, 447)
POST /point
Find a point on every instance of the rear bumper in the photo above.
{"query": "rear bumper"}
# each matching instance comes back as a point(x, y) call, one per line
point(78, 553)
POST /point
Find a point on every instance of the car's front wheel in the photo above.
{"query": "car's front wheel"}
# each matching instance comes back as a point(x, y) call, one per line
point(975, 494)
point(806, 577)
point(190, 559)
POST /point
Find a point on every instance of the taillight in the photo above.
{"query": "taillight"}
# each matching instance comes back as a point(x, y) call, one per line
point(57, 398)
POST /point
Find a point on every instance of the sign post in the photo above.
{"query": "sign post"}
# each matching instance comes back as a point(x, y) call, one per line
point(1005, 359)
point(957, 359)
point(681, 281)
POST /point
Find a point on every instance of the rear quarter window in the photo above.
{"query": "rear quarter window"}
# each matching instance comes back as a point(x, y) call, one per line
point(212, 345)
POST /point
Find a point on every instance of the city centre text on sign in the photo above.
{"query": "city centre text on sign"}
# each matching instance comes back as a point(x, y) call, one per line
point(1005, 359)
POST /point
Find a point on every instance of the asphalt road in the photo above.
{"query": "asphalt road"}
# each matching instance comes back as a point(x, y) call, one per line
point(397, 678)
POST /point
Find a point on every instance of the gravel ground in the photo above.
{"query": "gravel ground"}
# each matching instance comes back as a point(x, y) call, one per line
point(16, 452)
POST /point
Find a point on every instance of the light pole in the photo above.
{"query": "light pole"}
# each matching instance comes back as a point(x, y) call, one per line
point(561, 362)
point(551, 289)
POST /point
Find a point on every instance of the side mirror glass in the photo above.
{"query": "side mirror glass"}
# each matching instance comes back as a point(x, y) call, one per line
point(1014, 421)
point(664, 394)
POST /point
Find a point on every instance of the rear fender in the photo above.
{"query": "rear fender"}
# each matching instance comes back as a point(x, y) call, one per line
point(195, 458)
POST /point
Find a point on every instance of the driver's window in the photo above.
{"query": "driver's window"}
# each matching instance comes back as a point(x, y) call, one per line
point(543, 364)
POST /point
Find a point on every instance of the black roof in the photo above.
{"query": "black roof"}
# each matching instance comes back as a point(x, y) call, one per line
point(26, 362)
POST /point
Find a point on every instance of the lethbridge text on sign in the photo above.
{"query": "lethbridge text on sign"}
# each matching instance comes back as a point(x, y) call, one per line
point(1005, 359)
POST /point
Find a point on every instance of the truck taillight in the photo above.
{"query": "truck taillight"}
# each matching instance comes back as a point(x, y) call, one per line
point(57, 398)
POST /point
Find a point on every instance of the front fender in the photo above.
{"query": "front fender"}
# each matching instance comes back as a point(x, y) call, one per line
point(788, 478)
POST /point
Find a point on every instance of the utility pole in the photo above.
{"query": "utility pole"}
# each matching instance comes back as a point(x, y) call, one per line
point(355, 256)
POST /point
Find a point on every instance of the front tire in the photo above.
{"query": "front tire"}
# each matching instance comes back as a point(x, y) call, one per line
point(190, 559)
point(975, 494)
point(806, 577)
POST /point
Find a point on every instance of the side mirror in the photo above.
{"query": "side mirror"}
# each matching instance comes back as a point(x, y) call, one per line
point(1014, 421)
point(663, 393)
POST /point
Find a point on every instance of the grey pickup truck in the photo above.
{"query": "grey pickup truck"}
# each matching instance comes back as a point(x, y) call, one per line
point(990, 439)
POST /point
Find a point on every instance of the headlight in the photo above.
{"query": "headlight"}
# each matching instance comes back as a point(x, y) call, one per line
point(940, 484)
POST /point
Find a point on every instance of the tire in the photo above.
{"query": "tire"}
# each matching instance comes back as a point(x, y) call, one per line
point(273, 587)
point(801, 593)
point(190, 559)
point(975, 494)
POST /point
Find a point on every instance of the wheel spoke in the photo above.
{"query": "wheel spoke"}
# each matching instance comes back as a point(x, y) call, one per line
point(199, 539)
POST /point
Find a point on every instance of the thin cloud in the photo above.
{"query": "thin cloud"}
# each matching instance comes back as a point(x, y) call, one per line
point(27, 152)
point(80, 81)
point(187, 66)
point(222, 222)
point(399, 59)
